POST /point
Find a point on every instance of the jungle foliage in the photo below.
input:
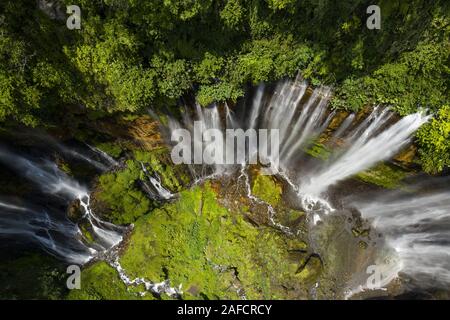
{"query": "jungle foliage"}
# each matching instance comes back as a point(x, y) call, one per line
point(130, 54)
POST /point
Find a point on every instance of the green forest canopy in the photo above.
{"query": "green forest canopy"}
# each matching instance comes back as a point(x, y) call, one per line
point(131, 54)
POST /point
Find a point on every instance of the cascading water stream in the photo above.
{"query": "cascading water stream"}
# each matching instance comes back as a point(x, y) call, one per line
point(270, 210)
point(365, 151)
point(161, 192)
point(103, 155)
point(344, 126)
point(417, 229)
point(154, 287)
point(302, 116)
point(76, 154)
point(416, 235)
point(61, 238)
point(53, 181)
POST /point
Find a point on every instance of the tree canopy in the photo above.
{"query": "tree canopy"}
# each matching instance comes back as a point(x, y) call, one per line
point(130, 55)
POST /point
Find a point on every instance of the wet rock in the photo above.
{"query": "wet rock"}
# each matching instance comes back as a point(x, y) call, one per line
point(363, 244)
point(75, 212)
point(310, 270)
point(293, 219)
point(406, 157)
point(53, 9)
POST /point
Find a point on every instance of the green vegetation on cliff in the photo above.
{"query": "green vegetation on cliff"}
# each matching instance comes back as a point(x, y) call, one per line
point(265, 188)
point(119, 195)
point(384, 175)
point(434, 139)
point(33, 276)
point(209, 250)
point(101, 282)
point(130, 55)
point(119, 191)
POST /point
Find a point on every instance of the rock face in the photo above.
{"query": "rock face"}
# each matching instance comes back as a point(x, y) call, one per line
point(53, 9)
point(75, 212)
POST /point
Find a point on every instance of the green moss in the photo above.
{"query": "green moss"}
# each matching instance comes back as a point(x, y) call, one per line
point(210, 251)
point(296, 244)
point(265, 188)
point(111, 148)
point(120, 193)
point(173, 177)
point(384, 176)
point(318, 150)
point(310, 270)
point(101, 282)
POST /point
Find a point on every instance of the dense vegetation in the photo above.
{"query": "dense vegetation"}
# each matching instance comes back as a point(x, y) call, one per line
point(130, 55)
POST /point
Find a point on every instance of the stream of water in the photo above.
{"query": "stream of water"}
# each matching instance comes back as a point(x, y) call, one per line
point(41, 224)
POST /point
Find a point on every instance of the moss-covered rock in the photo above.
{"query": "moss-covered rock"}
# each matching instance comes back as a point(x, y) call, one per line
point(212, 252)
point(383, 175)
point(173, 177)
point(266, 188)
point(118, 197)
point(113, 149)
point(101, 282)
point(310, 270)
point(319, 150)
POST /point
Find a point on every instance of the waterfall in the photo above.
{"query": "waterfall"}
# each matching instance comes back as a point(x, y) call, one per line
point(308, 125)
point(365, 150)
point(205, 119)
point(104, 155)
point(300, 119)
point(257, 104)
point(416, 229)
point(55, 182)
point(100, 166)
point(302, 116)
point(230, 122)
point(78, 154)
point(344, 126)
point(59, 237)
point(161, 192)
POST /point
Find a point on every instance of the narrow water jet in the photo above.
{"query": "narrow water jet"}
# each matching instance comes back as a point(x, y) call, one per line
point(157, 191)
point(365, 151)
